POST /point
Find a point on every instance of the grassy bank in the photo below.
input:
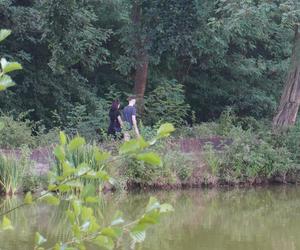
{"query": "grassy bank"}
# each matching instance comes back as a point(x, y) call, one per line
point(232, 151)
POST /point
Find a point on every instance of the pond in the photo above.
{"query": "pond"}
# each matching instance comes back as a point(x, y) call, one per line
point(256, 218)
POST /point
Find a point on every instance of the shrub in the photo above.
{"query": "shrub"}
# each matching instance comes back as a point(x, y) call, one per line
point(140, 172)
point(19, 131)
point(90, 122)
point(226, 122)
point(16, 132)
point(212, 159)
point(177, 164)
point(249, 157)
point(166, 103)
point(291, 140)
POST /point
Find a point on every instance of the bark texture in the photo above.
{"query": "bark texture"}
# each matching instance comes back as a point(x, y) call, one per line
point(141, 57)
point(290, 100)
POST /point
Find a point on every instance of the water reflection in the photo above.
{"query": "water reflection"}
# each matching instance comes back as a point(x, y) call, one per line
point(263, 218)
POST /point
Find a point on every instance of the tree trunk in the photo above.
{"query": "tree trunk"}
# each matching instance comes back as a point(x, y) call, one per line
point(141, 57)
point(290, 100)
point(140, 81)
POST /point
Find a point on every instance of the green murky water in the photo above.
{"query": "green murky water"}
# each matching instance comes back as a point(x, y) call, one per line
point(261, 219)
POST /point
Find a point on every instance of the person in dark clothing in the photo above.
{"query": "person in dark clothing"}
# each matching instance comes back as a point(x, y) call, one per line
point(129, 113)
point(116, 123)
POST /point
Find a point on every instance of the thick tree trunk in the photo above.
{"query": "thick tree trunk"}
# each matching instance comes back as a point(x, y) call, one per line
point(290, 100)
point(141, 57)
point(140, 81)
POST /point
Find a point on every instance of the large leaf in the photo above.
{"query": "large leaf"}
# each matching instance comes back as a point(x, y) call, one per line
point(88, 190)
point(67, 169)
point(59, 152)
point(28, 198)
point(102, 175)
point(117, 219)
point(10, 66)
point(165, 208)
point(6, 82)
point(104, 241)
point(165, 130)
point(63, 138)
point(50, 199)
point(6, 224)
point(150, 158)
point(76, 143)
point(100, 156)
point(111, 232)
point(138, 236)
point(152, 204)
point(1, 126)
point(39, 239)
point(150, 218)
point(4, 34)
point(133, 146)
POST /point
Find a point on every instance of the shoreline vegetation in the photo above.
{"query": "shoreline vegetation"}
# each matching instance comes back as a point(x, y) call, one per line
point(230, 152)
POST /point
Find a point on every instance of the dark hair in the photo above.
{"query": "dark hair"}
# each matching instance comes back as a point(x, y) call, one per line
point(115, 105)
point(129, 98)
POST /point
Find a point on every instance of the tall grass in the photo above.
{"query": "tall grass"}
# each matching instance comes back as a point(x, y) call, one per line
point(13, 169)
point(84, 155)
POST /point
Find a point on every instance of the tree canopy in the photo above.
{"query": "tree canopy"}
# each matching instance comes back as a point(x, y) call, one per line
point(81, 53)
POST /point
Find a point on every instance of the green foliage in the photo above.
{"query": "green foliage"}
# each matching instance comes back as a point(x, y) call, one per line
point(90, 122)
point(290, 140)
point(21, 131)
point(224, 53)
point(13, 171)
point(177, 165)
point(248, 157)
point(174, 167)
point(166, 103)
point(81, 214)
point(226, 122)
point(6, 67)
point(16, 132)
point(212, 159)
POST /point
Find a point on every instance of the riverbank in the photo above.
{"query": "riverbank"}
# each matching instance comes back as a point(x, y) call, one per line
point(207, 155)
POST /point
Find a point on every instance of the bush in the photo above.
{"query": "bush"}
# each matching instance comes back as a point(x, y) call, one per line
point(291, 140)
point(16, 132)
point(177, 164)
point(249, 157)
point(19, 131)
point(212, 159)
point(166, 103)
point(91, 122)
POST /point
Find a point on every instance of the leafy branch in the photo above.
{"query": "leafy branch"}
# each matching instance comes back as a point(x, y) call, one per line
point(81, 214)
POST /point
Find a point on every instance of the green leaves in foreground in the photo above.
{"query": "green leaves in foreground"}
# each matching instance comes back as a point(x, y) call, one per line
point(28, 198)
point(133, 146)
point(6, 82)
point(79, 182)
point(150, 158)
point(152, 215)
point(6, 224)
point(4, 33)
point(76, 143)
point(165, 130)
point(6, 67)
point(50, 199)
point(39, 239)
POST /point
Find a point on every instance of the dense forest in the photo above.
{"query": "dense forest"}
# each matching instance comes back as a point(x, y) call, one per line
point(186, 60)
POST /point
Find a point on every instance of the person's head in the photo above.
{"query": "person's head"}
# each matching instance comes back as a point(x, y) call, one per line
point(115, 105)
point(131, 100)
